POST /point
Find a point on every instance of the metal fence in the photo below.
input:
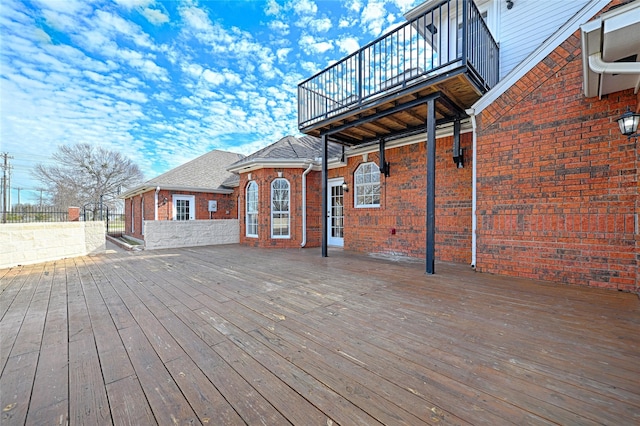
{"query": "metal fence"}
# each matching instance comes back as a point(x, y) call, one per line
point(450, 34)
point(42, 214)
point(112, 216)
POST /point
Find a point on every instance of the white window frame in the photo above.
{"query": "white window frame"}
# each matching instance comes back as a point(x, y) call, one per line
point(251, 209)
point(133, 216)
point(286, 212)
point(192, 205)
point(366, 181)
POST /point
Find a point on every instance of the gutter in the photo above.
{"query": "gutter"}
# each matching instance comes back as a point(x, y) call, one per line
point(598, 66)
point(474, 194)
point(304, 204)
point(155, 204)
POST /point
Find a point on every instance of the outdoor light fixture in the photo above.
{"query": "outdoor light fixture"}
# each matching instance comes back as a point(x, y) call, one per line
point(345, 187)
point(628, 123)
point(509, 4)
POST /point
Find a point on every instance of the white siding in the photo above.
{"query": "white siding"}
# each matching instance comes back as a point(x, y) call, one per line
point(528, 24)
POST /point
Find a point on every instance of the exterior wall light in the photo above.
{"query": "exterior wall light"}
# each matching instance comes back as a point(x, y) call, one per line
point(345, 187)
point(628, 123)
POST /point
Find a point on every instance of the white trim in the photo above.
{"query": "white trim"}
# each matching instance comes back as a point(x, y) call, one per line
point(355, 187)
point(334, 241)
point(271, 211)
point(155, 203)
point(133, 215)
point(246, 209)
point(266, 163)
point(565, 31)
point(192, 205)
point(146, 188)
point(474, 190)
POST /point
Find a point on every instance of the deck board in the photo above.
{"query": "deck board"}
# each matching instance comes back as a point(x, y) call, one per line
point(236, 335)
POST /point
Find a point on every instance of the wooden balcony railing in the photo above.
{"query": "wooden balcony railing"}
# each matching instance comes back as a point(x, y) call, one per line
point(450, 36)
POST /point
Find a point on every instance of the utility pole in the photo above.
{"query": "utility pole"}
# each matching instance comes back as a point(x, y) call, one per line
point(5, 169)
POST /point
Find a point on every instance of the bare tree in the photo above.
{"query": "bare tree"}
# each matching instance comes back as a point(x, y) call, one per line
point(84, 173)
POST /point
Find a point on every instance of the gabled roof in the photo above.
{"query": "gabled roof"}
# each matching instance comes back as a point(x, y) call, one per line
point(288, 152)
point(207, 173)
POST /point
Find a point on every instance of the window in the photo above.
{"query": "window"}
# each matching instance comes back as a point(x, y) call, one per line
point(252, 209)
point(184, 207)
point(367, 179)
point(280, 208)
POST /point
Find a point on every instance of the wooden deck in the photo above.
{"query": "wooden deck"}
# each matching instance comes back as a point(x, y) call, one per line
point(232, 335)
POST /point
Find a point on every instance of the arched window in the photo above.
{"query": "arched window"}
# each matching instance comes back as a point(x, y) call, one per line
point(367, 185)
point(252, 209)
point(280, 211)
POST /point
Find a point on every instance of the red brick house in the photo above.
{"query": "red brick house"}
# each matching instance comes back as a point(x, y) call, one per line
point(479, 132)
point(200, 189)
point(279, 192)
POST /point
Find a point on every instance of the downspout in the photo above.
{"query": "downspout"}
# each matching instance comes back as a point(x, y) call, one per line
point(155, 209)
point(474, 195)
point(304, 205)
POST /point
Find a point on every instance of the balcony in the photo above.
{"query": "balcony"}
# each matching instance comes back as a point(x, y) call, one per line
point(446, 52)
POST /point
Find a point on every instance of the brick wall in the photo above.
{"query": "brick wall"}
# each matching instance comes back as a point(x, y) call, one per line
point(557, 182)
point(264, 178)
point(403, 204)
point(227, 208)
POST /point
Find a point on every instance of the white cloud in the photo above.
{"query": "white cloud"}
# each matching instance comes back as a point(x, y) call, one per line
point(130, 4)
point(279, 26)
point(374, 16)
point(348, 45)
point(406, 5)
point(312, 46)
point(272, 8)
point(283, 53)
point(305, 7)
point(353, 5)
point(346, 23)
point(213, 77)
point(155, 16)
point(320, 25)
point(68, 7)
point(310, 67)
point(197, 19)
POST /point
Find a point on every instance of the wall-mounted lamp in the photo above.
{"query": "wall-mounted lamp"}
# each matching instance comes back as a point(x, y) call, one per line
point(163, 202)
point(345, 187)
point(509, 4)
point(628, 123)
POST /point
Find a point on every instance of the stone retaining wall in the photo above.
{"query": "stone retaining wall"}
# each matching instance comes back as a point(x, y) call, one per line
point(189, 233)
point(28, 243)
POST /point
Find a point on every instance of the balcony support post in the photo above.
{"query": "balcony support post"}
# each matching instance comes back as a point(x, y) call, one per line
point(325, 204)
point(431, 186)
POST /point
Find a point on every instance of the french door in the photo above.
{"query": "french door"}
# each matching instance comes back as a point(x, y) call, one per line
point(335, 212)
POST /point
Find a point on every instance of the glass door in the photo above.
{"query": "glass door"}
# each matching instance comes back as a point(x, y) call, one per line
point(335, 213)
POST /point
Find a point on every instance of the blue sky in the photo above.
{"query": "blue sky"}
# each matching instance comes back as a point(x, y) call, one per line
point(165, 82)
